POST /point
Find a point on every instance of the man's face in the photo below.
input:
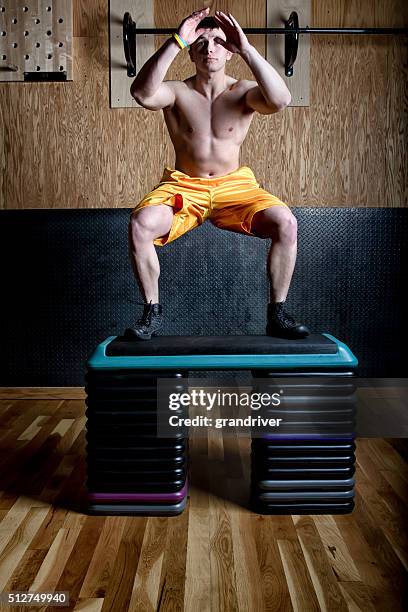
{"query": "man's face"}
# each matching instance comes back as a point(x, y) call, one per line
point(207, 53)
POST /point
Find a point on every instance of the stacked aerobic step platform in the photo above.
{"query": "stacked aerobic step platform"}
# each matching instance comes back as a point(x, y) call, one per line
point(130, 470)
point(307, 465)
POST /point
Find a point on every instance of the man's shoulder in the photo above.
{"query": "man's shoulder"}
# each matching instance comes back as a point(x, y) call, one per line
point(247, 83)
point(242, 86)
point(176, 84)
point(178, 87)
point(173, 84)
point(241, 83)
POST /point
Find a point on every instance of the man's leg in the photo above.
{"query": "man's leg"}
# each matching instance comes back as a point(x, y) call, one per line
point(146, 225)
point(278, 223)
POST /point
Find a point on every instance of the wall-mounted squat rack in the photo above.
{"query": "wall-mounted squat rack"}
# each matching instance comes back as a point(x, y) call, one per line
point(291, 30)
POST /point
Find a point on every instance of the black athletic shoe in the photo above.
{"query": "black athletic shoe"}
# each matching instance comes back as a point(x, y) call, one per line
point(148, 325)
point(282, 324)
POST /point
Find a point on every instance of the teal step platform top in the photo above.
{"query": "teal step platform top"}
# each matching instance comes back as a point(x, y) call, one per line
point(222, 352)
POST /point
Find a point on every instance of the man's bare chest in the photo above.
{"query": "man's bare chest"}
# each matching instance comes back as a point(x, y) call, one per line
point(195, 116)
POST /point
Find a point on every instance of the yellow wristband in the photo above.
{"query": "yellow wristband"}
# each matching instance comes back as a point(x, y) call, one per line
point(182, 43)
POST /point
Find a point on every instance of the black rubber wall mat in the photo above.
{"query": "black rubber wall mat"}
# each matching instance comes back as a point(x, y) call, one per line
point(67, 284)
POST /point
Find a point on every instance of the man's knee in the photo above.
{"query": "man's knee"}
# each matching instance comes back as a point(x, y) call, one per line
point(287, 228)
point(149, 222)
point(141, 225)
point(277, 223)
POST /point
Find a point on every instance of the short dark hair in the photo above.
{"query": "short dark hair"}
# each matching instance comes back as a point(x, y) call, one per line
point(208, 23)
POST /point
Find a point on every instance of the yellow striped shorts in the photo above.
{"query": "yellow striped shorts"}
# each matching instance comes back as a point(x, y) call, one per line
point(229, 201)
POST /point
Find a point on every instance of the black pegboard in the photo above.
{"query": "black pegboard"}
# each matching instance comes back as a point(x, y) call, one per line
point(67, 285)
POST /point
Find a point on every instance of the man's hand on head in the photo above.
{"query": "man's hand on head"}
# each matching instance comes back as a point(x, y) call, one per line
point(237, 41)
point(187, 29)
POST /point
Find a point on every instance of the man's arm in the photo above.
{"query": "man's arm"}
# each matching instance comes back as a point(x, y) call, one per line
point(271, 93)
point(148, 88)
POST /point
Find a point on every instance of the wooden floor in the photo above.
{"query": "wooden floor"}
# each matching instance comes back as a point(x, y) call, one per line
point(217, 555)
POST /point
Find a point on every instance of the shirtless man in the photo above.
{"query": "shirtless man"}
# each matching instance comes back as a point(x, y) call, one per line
point(208, 116)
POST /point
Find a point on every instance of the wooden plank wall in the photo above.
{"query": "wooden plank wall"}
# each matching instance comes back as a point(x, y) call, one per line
point(62, 146)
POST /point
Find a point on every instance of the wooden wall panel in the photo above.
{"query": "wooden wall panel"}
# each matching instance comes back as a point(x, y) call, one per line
point(62, 146)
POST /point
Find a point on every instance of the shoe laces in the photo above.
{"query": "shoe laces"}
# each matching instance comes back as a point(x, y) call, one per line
point(284, 318)
point(146, 317)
